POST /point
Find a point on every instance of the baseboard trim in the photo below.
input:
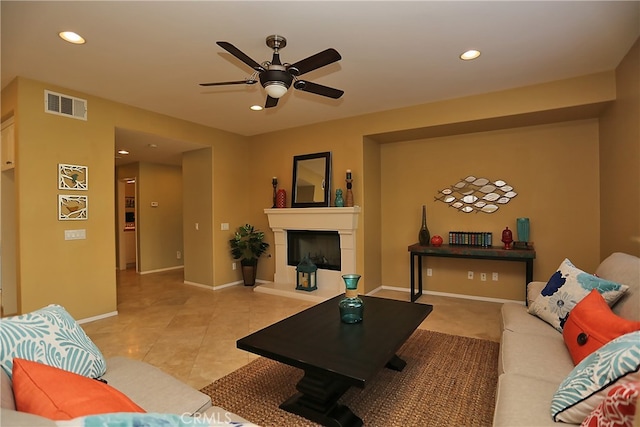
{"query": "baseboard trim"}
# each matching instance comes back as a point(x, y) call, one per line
point(446, 294)
point(213, 288)
point(98, 317)
point(159, 270)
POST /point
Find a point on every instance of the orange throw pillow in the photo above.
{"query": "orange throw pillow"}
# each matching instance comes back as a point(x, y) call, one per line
point(62, 395)
point(592, 324)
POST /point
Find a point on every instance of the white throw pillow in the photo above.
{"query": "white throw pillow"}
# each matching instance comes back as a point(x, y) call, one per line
point(50, 336)
point(567, 287)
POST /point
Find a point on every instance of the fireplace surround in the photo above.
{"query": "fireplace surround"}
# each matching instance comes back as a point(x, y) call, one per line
point(344, 220)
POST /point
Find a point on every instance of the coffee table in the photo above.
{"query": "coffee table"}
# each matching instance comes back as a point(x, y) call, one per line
point(336, 355)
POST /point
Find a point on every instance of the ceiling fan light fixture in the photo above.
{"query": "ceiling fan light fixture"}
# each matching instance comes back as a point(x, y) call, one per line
point(275, 89)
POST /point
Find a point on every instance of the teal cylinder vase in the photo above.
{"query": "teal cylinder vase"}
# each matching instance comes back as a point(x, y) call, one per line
point(351, 307)
point(522, 226)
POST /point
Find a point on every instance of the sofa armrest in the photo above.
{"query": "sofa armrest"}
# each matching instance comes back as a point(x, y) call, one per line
point(153, 389)
point(533, 290)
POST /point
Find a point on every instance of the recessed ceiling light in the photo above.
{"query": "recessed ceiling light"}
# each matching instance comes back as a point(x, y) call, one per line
point(256, 107)
point(469, 55)
point(152, 145)
point(71, 37)
point(123, 152)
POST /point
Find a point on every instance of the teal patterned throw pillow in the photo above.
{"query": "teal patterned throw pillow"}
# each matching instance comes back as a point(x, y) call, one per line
point(50, 336)
point(566, 288)
point(616, 363)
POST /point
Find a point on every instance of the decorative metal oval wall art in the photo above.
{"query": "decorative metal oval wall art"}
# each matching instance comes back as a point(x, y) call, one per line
point(477, 195)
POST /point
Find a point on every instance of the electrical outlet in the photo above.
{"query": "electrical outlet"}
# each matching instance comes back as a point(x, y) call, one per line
point(178, 255)
point(470, 275)
point(233, 265)
point(429, 272)
point(494, 277)
point(224, 226)
point(483, 277)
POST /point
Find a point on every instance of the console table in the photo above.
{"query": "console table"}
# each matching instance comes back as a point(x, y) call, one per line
point(470, 252)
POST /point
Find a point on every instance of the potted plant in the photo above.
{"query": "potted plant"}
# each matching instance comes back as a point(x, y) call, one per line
point(248, 245)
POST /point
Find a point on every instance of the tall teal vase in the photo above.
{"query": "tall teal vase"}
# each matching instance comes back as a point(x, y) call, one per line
point(522, 226)
point(351, 307)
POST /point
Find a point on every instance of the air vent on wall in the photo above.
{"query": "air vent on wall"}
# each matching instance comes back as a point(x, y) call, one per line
point(65, 105)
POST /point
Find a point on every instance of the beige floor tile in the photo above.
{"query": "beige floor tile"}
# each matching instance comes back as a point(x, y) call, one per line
point(191, 333)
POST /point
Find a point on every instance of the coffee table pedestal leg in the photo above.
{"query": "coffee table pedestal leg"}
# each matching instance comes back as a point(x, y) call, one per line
point(318, 401)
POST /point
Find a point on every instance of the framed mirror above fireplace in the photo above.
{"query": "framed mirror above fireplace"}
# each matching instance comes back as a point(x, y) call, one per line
point(311, 180)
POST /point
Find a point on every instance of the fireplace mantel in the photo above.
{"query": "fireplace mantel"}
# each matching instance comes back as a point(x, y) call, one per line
point(343, 220)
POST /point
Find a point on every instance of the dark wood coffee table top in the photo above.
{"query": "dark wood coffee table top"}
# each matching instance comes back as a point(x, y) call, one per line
point(316, 341)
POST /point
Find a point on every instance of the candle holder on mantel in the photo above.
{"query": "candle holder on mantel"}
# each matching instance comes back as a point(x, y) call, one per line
point(349, 195)
point(274, 182)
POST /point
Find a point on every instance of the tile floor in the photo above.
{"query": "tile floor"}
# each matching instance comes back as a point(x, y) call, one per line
point(191, 332)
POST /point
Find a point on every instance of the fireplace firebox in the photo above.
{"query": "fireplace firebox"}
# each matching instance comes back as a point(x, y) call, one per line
point(321, 247)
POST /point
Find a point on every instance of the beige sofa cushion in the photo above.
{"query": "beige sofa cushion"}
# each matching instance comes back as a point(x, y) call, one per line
point(535, 356)
point(12, 418)
point(516, 318)
point(152, 389)
point(6, 391)
point(625, 269)
point(523, 401)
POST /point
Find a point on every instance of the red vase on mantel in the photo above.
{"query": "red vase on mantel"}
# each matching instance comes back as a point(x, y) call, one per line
point(281, 198)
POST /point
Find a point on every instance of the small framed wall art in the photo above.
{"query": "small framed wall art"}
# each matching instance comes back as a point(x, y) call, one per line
point(71, 207)
point(73, 177)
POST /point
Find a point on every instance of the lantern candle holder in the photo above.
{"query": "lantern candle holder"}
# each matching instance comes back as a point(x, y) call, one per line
point(306, 275)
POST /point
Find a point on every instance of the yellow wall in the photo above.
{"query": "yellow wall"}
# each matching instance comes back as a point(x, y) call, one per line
point(159, 227)
point(353, 145)
point(554, 170)
point(198, 209)
point(80, 275)
point(545, 140)
point(9, 236)
point(620, 162)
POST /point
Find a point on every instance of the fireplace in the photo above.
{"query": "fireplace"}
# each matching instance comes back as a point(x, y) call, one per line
point(321, 247)
point(324, 222)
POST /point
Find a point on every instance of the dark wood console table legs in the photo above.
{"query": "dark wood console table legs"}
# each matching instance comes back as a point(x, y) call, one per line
point(470, 252)
point(319, 395)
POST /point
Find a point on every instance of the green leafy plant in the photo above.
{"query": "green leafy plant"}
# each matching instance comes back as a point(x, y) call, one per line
point(248, 245)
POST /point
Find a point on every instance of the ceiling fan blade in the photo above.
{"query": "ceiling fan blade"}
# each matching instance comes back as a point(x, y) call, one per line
point(271, 102)
point(318, 89)
point(313, 62)
point(240, 55)
point(237, 82)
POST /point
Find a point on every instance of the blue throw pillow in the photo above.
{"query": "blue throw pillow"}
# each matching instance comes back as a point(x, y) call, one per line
point(617, 362)
point(50, 336)
point(566, 288)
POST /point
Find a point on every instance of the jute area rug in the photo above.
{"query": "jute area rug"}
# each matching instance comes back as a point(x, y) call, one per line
point(448, 381)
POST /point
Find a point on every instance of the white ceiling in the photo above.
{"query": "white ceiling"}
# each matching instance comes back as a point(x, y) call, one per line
point(153, 54)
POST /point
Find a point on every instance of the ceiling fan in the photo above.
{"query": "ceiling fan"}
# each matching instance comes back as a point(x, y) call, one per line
point(276, 78)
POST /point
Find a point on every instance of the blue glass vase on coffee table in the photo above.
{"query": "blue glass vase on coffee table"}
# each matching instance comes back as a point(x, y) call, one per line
point(351, 307)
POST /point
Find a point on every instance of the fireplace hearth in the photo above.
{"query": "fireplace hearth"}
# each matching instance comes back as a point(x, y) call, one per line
point(342, 221)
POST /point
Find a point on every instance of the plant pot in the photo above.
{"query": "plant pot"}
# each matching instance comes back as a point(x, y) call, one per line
point(249, 274)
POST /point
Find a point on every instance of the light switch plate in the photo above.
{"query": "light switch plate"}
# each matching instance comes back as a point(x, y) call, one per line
point(79, 234)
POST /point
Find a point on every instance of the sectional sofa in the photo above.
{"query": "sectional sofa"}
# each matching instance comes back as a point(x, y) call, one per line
point(535, 360)
point(51, 337)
